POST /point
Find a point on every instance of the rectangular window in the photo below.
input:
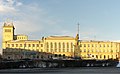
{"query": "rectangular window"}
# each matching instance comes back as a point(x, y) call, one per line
point(92, 45)
point(16, 45)
point(104, 45)
point(51, 45)
point(41, 45)
point(67, 45)
point(47, 45)
point(80, 45)
point(12, 45)
point(63, 45)
point(108, 45)
point(29, 45)
point(84, 45)
point(33, 45)
point(7, 30)
point(24, 45)
point(8, 45)
point(59, 45)
point(55, 45)
point(88, 45)
point(20, 45)
point(37, 45)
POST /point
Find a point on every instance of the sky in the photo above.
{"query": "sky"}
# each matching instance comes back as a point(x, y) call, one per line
point(98, 19)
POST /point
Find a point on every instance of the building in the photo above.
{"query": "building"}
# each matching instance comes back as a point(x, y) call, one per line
point(58, 45)
point(99, 49)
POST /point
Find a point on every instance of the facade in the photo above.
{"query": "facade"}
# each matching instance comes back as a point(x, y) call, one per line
point(99, 49)
point(58, 45)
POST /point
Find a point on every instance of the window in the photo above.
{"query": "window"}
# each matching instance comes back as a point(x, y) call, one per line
point(16, 45)
point(55, 50)
point(92, 45)
point(92, 50)
point(108, 45)
point(96, 56)
point(20, 45)
point(104, 56)
point(12, 45)
point(59, 47)
point(67, 45)
point(33, 45)
point(100, 56)
point(71, 45)
point(51, 50)
point(88, 50)
point(63, 45)
point(104, 45)
point(7, 30)
point(108, 56)
point(88, 45)
point(84, 45)
point(37, 45)
point(84, 50)
point(55, 45)
point(116, 56)
point(80, 45)
point(47, 45)
point(29, 45)
point(51, 45)
point(24, 45)
point(41, 45)
point(37, 49)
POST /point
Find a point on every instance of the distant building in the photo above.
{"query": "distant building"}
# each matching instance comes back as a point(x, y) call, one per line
point(57, 45)
point(99, 49)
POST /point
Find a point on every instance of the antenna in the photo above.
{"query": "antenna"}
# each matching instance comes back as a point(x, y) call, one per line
point(78, 29)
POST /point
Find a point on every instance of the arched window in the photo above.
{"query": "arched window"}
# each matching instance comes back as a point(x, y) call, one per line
point(63, 45)
point(51, 45)
point(67, 47)
point(59, 47)
point(108, 57)
point(104, 57)
point(84, 50)
point(47, 45)
point(96, 56)
point(71, 45)
point(55, 45)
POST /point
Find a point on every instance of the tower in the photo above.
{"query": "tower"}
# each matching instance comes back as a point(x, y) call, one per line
point(77, 48)
point(8, 33)
point(77, 36)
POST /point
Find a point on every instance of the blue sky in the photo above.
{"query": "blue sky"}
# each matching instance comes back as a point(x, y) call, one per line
point(99, 19)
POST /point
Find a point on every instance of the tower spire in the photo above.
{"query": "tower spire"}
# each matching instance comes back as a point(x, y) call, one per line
point(77, 36)
point(78, 29)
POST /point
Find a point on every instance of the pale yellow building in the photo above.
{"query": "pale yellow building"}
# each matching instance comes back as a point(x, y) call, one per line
point(99, 49)
point(60, 45)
